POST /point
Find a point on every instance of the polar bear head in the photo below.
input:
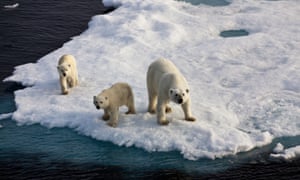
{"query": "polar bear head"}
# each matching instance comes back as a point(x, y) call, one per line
point(64, 69)
point(101, 101)
point(179, 96)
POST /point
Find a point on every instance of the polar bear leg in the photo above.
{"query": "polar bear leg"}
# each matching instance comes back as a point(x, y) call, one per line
point(187, 111)
point(130, 104)
point(105, 116)
point(114, 118)
point(152, 94)
point(168, 109)
point(131, 109)
point(152, 103)
point(161, 113)
point(71, 82)
point(64, 85)
point(76, 79)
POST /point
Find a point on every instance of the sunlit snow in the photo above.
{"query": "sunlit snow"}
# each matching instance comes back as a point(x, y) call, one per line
point(285, 154)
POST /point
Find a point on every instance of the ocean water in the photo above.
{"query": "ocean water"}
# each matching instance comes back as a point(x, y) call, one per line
point(208, 2)
point(37, 28)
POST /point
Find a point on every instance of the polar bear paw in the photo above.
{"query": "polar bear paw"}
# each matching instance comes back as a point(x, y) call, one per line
point(164, 122)
point(105, 117)
point(112, 124)
point(130, 112)
point(66, 92)
point(168, 109)
point(190, 119)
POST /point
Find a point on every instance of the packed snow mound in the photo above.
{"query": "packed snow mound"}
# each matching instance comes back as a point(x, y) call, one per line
point(12, 6)
point(285, 154)
point(244, 90)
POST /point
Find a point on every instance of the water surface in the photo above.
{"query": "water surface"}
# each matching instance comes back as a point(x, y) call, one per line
point(36, 28)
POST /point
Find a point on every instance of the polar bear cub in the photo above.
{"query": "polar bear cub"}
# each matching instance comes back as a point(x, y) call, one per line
point(111, 99)
point(165, 83)
point(68, 76)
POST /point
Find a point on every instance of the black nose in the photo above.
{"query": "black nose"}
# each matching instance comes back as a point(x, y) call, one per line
point(98, 107)
point(64, 74)
point(180, 101)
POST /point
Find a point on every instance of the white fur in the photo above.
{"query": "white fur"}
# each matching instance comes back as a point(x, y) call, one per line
point(165, 83)
point(112, 98)
point(68, 76)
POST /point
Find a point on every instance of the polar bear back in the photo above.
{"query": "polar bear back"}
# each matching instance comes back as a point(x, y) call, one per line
point(164, 65)
point(119, 94)
point(68, 59)
point(160, 68)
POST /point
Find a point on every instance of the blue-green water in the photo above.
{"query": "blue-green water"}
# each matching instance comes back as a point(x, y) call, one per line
point(234, 33)
point(38, 148)
point(63, 144)
point(209, 2)
point(36, 152)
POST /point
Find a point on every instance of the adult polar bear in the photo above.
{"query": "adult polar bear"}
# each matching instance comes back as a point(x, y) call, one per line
point(165, 83)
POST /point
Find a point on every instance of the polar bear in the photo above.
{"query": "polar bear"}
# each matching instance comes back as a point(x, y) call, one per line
point(112, 98)
point(165, 83)
point(68, 76)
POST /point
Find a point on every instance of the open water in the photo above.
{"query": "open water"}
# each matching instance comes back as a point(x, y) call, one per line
point(36, 28)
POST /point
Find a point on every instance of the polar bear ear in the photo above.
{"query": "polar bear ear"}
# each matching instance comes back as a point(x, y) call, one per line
point(187, 90)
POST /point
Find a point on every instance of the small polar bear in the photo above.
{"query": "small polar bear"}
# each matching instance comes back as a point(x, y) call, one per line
point(165, 83)
point(111, 99)
point(68, 76)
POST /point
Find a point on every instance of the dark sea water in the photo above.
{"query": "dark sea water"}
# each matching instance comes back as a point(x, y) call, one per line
point(36, 28)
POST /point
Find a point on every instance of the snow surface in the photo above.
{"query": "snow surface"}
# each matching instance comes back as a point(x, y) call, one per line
point(5, 116)
point(244, 90)
point(285, 154)
point(279, 148)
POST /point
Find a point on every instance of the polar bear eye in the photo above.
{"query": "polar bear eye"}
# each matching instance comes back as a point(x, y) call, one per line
point(187, 91)
point(183, 94)
point(101, 102)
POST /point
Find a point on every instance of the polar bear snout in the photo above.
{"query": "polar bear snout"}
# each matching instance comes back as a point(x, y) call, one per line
point(62, 71)
point(96, 103)
point(101, 102)
point(177, 96)
point(178, 99)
